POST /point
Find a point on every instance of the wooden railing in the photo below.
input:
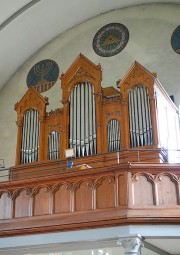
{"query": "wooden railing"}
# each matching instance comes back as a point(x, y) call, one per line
point(108, 195)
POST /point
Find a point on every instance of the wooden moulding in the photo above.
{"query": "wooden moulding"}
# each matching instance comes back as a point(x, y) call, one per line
point(56, 167)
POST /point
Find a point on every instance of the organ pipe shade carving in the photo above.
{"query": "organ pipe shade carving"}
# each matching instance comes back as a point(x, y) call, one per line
point(53, 145)
point(113, 135)
point(139, 117)
point(30, 137)
point(82, 135)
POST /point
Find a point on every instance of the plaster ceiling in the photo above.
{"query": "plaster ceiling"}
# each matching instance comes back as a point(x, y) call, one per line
point(26, 26)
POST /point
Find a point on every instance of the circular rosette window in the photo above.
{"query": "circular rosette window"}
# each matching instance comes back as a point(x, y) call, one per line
point(43, 75)
point(110, 39)
point(175, 40)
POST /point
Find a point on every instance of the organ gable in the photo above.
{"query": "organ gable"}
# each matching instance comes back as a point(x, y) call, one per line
point(136, 75)
point(82, 69)
point(31, 99)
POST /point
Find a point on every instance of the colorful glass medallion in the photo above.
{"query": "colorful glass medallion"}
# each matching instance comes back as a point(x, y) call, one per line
point(110, 39)
point(43, 75)
point(175, 40)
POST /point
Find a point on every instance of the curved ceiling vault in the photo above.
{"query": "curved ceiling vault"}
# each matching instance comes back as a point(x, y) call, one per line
point(26, 26)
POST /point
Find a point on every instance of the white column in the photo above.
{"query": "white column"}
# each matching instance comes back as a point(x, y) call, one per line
point(131, 244)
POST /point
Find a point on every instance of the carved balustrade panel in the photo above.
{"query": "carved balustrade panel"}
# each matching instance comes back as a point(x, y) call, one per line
point(62, 198)
point(105, 192)
point(142, 190)
point(22, 204)
point(167, 186)
point(42, 201)
point(121, 187)
point(83, 196)
point(5, 206)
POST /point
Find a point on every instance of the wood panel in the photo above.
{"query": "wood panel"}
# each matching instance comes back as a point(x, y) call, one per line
point(105, 193)
point(83, 197)
point(122, 189)
point(22, 205)
point(5, 206)
point(167, 190)
point(42, 201)
point(142, 190)
point(62, 199)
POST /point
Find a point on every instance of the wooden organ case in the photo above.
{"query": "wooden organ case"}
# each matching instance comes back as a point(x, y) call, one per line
point(95, 121)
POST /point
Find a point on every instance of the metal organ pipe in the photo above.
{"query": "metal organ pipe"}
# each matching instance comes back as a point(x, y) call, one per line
point(139, 117)
point(30, 137)
point(82, 135)
point(54, 145)
point(113, 135)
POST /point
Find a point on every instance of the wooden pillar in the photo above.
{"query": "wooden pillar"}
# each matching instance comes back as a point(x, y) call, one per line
point(99, 129)
point(125, 134)
point(154, 120)
point(65, 128)
point(41, 139)
point(19, 140)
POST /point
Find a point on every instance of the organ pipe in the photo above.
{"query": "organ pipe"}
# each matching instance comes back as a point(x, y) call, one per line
point(82, 135)
point(113, 135)
point(139, 117)
point(53, 145)
point(30, 137)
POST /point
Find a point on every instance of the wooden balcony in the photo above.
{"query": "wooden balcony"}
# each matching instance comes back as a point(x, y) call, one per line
point(110, 193)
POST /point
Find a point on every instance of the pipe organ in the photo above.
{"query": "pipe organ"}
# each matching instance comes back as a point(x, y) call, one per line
point(94, 120)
